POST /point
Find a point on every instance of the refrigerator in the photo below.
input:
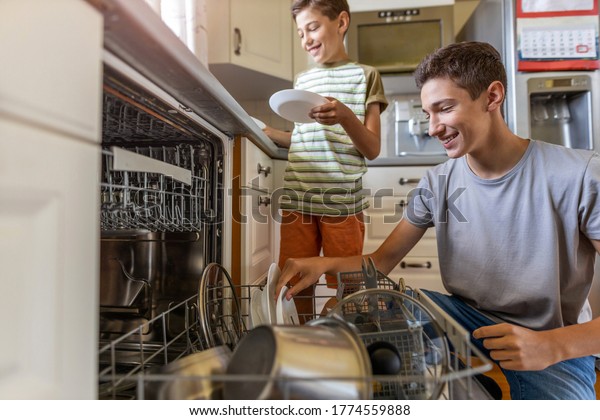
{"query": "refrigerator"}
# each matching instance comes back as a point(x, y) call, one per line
point(543, 103)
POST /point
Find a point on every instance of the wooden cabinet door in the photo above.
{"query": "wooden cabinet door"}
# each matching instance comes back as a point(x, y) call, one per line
point(261, 36)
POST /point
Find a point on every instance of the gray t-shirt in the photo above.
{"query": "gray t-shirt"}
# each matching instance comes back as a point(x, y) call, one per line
point(517, 247)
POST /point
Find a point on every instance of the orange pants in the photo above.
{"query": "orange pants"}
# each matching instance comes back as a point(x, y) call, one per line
point(304, 235)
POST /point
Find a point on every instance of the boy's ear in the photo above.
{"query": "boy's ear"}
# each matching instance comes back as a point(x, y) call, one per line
point(495, 95)
point(344, 21)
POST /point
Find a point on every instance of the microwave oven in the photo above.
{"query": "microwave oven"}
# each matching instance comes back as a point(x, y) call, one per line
point(395, 41)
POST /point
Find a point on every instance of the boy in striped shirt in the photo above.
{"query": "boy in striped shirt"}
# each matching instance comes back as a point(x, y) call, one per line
point(322, 204)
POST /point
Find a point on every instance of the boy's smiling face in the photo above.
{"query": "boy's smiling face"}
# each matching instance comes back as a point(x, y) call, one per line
point(460, 123)
point(322, 37)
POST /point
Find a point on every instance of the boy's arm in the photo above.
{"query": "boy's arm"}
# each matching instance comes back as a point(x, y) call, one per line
point(280, 138)
point(366, 137)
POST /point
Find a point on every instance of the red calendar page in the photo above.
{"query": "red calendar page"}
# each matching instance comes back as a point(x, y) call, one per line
point(557, 35)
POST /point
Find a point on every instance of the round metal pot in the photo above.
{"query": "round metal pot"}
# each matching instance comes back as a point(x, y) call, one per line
point(324, 360)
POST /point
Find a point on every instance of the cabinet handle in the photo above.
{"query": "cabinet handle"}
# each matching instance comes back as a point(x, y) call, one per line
point(263, 169)
point(402, 204)
point(264, 201)
point(237, 39)
point(409, 265)
point(404, 181)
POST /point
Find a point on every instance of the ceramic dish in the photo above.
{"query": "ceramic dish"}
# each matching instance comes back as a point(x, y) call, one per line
point(285, 310)
point(256, 307)
point(295, 104)
point(258, 122)
point(268, 301)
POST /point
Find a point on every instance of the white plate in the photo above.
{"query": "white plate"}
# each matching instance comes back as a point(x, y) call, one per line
point(295, 104)
point(256, 307)
point(258, 122)
point(268, 293)
point(285, 310)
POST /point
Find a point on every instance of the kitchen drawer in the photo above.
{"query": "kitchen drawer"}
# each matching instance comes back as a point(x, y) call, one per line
point(394, 180)
point(257, 167)
point(382, 217)
point(419, 272)
point(384, 213)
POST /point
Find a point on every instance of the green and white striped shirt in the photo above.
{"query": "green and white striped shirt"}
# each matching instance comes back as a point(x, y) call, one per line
point(324, 171)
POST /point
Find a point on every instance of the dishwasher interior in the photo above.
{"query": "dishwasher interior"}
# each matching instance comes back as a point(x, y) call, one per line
point(161, 219)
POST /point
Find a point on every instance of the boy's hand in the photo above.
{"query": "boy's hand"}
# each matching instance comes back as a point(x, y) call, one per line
point(518, 348)
point(331, 113)
point(304, 271)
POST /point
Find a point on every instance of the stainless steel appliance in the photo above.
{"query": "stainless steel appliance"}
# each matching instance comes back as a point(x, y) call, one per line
point(161, 211)
point(494, 21)
point(560, 110)
point(165, 198)
point(395, 40)
point(405, 130)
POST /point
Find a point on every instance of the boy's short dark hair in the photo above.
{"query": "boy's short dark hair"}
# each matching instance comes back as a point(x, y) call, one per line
point(471, 65)
point(329, 8)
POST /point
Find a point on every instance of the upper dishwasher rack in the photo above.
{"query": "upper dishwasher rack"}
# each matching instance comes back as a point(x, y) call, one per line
point(160, 170)
point(155, 192)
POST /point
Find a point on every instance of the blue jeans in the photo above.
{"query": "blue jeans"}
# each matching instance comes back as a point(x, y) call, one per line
point(568, 380)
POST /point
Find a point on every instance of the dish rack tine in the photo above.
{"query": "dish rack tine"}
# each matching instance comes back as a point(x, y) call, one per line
point(369, 273)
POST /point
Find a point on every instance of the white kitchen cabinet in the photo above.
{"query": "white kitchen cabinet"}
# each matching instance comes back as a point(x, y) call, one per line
point(259, 35)
point(387, 189)
point(49, 166)
point(262, 36)
point(257, 250)
point(257, 167)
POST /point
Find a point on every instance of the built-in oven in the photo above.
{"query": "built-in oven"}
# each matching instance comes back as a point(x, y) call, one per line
point(395, 40)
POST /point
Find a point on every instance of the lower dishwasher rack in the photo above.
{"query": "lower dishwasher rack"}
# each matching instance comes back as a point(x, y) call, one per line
point(125, 362)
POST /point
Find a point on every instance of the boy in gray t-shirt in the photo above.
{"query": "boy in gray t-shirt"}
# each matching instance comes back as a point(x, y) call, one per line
point(518, 229)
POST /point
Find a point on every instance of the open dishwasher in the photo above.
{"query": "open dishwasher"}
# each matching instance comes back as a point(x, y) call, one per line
point(225, 321)
point(163, 218)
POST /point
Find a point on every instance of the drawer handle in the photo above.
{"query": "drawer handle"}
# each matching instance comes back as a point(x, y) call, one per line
point(263, 169)
point(264, 200)
point(237, 39)
point(426, 265)
point(404, 181)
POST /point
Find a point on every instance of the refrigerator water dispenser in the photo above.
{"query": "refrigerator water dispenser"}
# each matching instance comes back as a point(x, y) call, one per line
point(560, 110)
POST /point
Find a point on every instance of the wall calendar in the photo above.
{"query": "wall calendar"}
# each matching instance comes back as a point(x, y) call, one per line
point(557, 35)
